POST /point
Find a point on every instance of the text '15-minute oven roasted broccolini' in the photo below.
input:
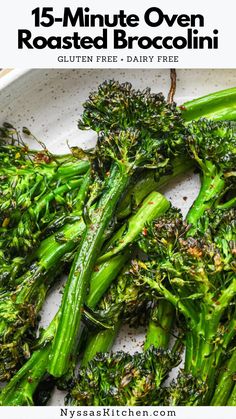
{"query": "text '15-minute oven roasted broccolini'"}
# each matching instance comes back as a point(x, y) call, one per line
point(66, 238)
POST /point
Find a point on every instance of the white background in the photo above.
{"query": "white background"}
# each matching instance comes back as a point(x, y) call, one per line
point(218, 15)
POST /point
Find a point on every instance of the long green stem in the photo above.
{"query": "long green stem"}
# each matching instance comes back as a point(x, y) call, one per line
point(226, 383)
point(71, 170)
point(227, 205)
point(99, 342)
point(82, 267)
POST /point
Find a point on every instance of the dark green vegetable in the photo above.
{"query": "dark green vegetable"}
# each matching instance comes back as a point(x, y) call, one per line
point(225, 383)
point(100, 282)
point(56, 250)
point(160, 325)
point(213, 146)
point(186, 390)
point(36, 187)
point(215, 106)
point(232, 399)
point(140, 131)
point(20, 389)
point(149, 181)
point(187, 270)
point(20, 305)
point(122, 379)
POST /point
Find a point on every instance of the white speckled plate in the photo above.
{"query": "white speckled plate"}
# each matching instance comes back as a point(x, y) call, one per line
point(49, 102)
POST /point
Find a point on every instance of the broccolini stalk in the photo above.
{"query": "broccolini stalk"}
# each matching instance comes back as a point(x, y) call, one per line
point(99, 281)
point(225, 383)
point(100, 342)
point(134, 225)
point(20, 389)
point(127, 301)
point(157, 242)
point(15, 153)
point(152, 206)
point(121, 378)
point(158, 333)
point(123, 301)
point(22, 299)
point(139, 130)
point(232, 399)
point(218, 106)
point(186, 390)
point(149, 181)
point(213, 146)
point(215, 106)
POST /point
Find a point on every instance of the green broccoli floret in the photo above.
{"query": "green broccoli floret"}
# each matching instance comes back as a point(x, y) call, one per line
point(23, 297)
point(128, 142)
point(122, 379)
point(119, 106)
